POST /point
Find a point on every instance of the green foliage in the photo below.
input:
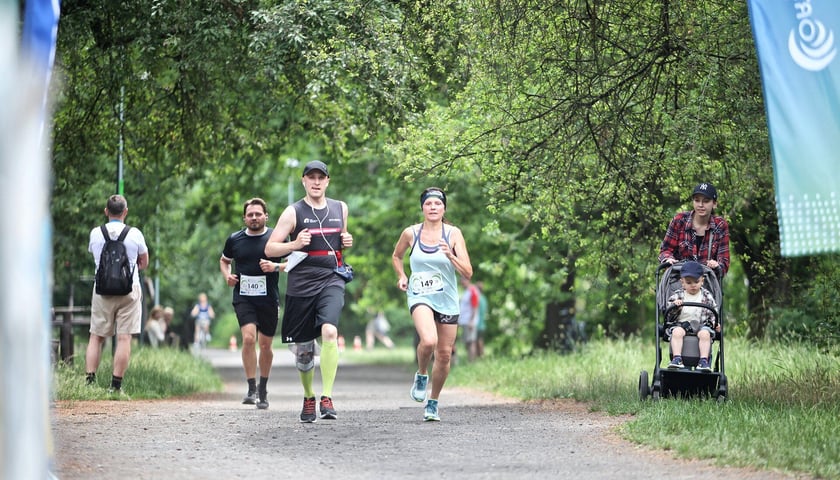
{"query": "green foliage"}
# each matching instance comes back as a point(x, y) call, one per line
point(222, 328)
point(201, 102)
point(815, 316)
point(566, 136)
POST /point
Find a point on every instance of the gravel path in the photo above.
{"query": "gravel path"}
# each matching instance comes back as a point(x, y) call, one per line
point(379, 434)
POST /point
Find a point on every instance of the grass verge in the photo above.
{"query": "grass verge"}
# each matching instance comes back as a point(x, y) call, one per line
point(153, 373)
point(781, 413)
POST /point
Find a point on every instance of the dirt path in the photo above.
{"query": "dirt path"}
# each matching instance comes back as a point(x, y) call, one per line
point(379, 434)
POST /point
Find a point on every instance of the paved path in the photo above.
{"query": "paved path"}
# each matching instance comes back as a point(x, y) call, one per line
point(379, 434)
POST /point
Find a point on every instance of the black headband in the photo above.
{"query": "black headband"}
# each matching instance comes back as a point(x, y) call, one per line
point(432, 193)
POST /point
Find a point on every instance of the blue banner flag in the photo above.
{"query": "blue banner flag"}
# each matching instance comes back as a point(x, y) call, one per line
point(797, 47)
point(26, 442)
point(38, 39)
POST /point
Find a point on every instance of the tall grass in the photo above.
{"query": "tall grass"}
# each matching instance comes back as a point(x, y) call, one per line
point(781, 413)
point(153, 373)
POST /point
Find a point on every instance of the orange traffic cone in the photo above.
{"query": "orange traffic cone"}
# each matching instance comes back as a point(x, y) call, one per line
point(232, 346)
point(341, 343)
point(357, 343)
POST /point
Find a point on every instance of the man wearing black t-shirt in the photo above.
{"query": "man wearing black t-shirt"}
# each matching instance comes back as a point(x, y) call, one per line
point(256, 296)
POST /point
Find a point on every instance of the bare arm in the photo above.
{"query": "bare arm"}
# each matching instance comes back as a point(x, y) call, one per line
point(346, 238)
point(277, 246)
point(143, 261)
point(403, 244)
point(227, 272)
point(458, 254)
point(268, 266)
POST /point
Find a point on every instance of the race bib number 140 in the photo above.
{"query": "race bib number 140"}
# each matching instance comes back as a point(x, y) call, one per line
point(253, 286)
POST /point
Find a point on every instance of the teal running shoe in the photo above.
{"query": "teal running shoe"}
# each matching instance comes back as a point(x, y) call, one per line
point(418, 388)
point(431, 413)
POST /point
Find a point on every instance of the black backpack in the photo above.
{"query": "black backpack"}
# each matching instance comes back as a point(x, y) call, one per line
point(114, 275)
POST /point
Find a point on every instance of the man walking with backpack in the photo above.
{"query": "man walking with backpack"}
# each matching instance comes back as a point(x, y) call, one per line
point(114, 308)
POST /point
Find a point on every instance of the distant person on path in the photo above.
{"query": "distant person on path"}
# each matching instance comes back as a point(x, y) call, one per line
point(116, 314)
point(317, 226)
point(699, 234)
point(690, 319)
point(468, 318)
point(377, 329)
point(203, 314)
point(483, 311)
point(437, 257)
point(256, 296)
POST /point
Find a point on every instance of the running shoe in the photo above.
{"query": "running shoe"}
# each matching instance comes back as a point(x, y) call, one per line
point(676, 362)
point(262, 404)
point(418, 388)
point(327, 409)
point(704, 366)
point(307, 415)
point(250, 397)
point(431, 412)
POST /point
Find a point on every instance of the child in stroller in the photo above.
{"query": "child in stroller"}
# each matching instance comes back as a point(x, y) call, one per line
point(698, 321)
point(693, 368)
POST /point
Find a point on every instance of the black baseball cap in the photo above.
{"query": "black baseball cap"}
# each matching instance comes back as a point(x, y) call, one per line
point(706, 189)
point(315, 165)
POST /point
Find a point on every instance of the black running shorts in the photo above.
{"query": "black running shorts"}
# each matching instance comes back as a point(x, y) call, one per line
point(304, 316)
point(263, 316)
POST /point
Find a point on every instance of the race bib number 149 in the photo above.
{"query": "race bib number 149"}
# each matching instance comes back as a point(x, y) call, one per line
point(425, 283)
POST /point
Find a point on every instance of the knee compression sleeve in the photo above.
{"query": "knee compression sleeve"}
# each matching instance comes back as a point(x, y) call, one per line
point(305, 355)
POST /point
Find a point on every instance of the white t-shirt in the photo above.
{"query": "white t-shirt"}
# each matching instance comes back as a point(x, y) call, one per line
point(693, 315)
point(135, 244)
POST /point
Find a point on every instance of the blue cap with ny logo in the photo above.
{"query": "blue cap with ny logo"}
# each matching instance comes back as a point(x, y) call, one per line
point(705, 189)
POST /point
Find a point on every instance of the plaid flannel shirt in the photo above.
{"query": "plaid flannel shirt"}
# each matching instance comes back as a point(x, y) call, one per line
point(680, 241)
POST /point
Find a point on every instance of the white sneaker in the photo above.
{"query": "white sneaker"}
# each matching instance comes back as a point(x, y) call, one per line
point(418, 388)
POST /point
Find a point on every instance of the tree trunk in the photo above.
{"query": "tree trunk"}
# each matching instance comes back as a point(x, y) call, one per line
point(560, 330)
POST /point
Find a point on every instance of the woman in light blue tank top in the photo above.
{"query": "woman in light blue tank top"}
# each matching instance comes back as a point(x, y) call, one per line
point(437, 258)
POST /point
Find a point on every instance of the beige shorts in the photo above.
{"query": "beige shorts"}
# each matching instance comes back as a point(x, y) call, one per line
point(113, 313)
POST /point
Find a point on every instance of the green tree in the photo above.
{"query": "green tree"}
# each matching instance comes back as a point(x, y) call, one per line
point(601, 116)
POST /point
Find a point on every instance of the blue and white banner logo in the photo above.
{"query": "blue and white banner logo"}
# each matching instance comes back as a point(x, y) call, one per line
point(811, 45)
point(800, 73)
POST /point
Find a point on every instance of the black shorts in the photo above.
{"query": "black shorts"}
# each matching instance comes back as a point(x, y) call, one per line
point(304, 316)
point(439, 317)
point(263, 316)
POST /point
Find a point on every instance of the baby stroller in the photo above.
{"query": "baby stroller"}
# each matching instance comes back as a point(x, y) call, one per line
point(687, 381)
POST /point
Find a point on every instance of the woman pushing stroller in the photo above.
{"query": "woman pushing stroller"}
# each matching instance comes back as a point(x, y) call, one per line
point(698, 237)
point(699, 234)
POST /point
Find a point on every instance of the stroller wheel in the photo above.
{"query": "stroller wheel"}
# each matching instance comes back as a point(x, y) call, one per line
point(722, 390)
point(644, 385)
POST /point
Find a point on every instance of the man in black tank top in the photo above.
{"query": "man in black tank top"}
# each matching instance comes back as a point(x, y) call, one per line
point(315, 226)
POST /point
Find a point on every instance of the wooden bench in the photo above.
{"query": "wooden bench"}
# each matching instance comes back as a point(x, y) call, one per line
point(65, 318)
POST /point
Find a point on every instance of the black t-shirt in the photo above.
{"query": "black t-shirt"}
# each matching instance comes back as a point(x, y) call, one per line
point(254, 285)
